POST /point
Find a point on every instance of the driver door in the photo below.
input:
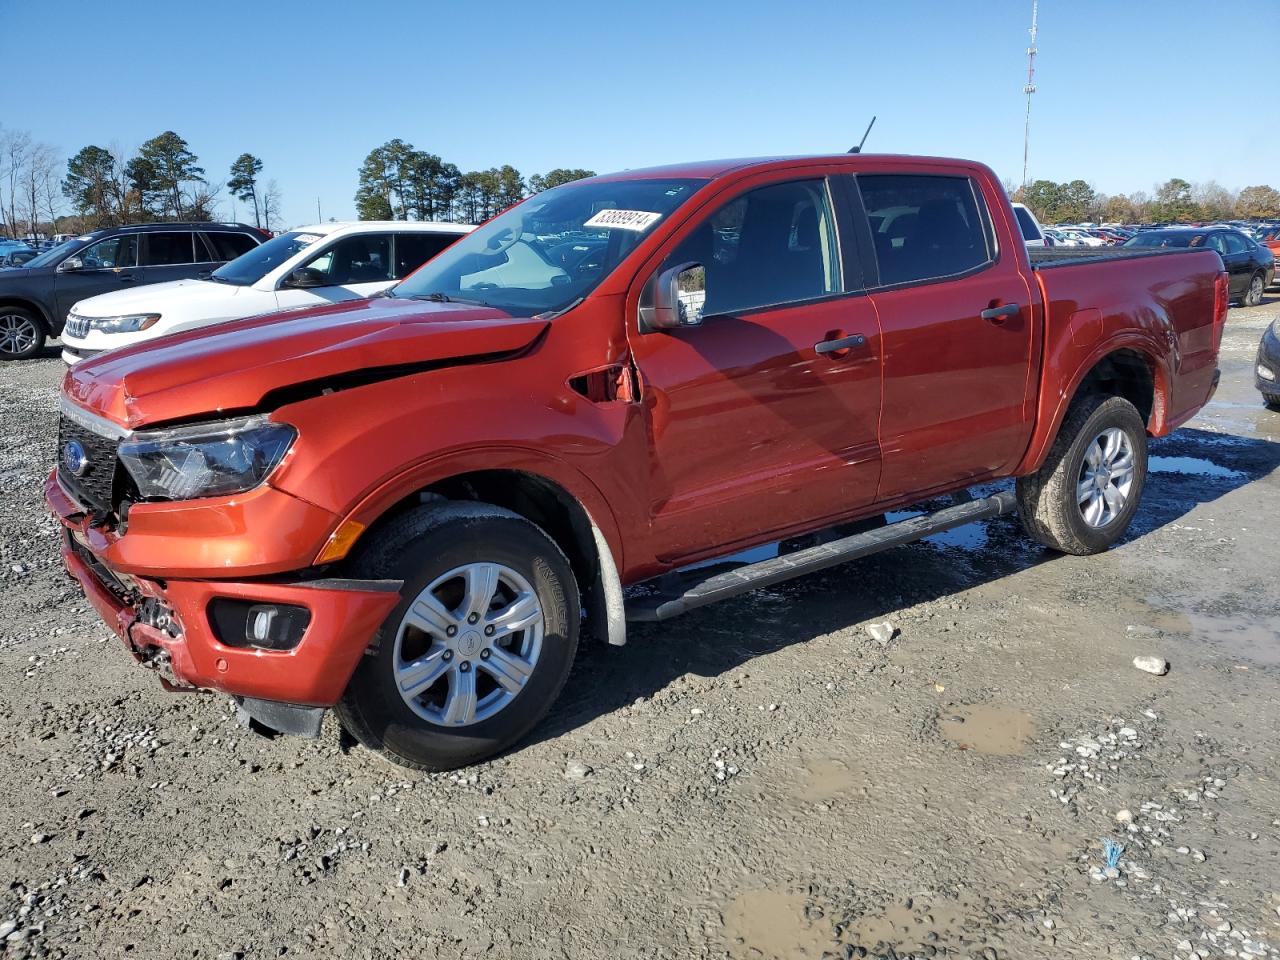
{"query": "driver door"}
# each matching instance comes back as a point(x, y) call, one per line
point(107, 266)
point(756, 424)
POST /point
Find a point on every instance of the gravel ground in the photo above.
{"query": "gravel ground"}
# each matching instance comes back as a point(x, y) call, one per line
point(763, 778)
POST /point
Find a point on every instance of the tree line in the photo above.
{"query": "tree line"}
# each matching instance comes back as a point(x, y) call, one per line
point(106, 187)
point(1174, 201)
point(399, 182)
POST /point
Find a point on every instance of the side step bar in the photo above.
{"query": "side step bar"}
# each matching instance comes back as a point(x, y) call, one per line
point(693, 592)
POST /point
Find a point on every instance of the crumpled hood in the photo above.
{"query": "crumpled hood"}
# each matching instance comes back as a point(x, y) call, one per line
point(233, 366)
point(153, 298)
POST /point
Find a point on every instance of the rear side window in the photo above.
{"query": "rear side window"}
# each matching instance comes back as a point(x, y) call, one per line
point(1028, 225)
point(228, 246)
point(925, 227)
point(415, 249)
point(773, 245)
point(166, 249)
point(1235, 243)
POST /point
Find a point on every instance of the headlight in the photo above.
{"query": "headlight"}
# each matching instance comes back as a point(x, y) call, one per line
point(1275, 328)
point(130, 323)
point(207, 460)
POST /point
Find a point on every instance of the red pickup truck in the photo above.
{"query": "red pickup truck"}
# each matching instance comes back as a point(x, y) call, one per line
point(407, 507)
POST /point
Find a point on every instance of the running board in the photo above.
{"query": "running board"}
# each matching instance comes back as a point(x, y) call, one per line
point(692, 593)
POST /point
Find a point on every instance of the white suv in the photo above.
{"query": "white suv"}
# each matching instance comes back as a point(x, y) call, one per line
point(310, 266)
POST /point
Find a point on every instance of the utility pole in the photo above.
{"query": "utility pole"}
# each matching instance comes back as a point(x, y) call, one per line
point(1029, 89)
point(319, 219)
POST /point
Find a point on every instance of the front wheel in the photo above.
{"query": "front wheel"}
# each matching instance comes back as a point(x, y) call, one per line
point(480, 644)
point(21, 335)
point(1083, 497)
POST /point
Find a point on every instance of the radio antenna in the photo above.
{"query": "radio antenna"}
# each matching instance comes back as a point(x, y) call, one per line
point(858, 148)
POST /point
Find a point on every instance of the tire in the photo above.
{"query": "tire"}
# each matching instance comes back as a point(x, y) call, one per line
point(22, 334)
point(421, 547)
point(1050, 501)
point(1271, 401)
point(1253, 296)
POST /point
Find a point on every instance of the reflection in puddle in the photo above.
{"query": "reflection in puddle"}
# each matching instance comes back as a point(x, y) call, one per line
point(1195, 466)
point(986, 728)
point(972, 536)
point(1253, 638)
point(772, 925)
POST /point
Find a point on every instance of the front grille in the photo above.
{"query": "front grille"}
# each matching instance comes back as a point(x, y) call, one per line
point(122, 592)
point(93, 486)
point(76, 326)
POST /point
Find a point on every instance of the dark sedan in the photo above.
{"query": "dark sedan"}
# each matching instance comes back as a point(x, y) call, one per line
point(1251, 265)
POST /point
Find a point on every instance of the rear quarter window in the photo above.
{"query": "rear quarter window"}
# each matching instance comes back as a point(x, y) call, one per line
point(228, 246)
point(1028, 225)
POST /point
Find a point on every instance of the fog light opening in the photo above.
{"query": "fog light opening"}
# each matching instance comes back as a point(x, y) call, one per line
point(265, 626)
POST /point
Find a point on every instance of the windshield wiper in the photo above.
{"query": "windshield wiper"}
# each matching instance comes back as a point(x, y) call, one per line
point(215, 277)
point(438, 297)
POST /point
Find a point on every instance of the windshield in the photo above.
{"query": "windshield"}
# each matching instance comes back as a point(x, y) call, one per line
point(553, 249)
point(1158, 239)
point(257, 263)
point(50, 257)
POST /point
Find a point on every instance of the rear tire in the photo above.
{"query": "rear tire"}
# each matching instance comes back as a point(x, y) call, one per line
point(1253, 296)
point(510, 687)
point(1084, 496)
point(22, 334)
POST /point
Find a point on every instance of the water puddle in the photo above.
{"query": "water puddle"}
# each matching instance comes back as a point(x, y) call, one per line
point(767, 925)
point(987, 728)
point(1251, 638)
point(972, 536)
point(1195, 466)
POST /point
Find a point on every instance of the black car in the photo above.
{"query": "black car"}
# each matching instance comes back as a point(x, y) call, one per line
point(1266, 374)
point(1251, 266)
point(35, 298)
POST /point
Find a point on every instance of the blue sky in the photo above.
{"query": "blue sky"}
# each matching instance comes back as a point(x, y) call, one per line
point(1130, 93)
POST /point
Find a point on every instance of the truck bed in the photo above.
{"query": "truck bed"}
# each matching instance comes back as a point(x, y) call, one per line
point(1047, 257)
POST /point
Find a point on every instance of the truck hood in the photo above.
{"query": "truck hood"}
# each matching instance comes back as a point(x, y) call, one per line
point(155, 298)
point(234, 366)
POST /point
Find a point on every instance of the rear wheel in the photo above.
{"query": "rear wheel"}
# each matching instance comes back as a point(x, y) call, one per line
point(478, 647)
point(1253, 296)
point(22, 335)
point(1083, 497)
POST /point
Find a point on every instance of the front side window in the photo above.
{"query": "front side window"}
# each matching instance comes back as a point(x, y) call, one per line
point(364, 258)
point(168, 248)
point(550, 251)
point(111, 254)
point(1235, 243)
point(925, 227)
point(773, 245)
point(415, 249)
point(259, 261)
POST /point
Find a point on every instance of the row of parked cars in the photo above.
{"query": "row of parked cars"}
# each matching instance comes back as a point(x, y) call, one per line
point(118, 286)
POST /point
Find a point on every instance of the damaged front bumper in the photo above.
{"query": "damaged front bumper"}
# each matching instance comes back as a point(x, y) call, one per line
point(198, 634)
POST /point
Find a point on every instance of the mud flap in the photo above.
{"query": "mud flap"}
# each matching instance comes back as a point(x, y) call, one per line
point(270, 717)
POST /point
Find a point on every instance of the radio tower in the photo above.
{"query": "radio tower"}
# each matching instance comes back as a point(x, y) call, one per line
point(1029, 89)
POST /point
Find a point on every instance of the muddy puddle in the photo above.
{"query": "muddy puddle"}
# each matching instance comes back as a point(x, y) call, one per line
point(768, 925)
point(987, 728)
point(822, 778)
point(1192, 466)
point(1246, 637)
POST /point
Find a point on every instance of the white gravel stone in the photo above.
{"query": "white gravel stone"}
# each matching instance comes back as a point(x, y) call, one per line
point(577, 770)
point(882, 632)
point(1156, 665)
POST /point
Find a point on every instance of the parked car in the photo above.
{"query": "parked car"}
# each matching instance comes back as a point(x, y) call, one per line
point(1060, 239)
point(35, 298)
point(310, 266)
point(1267, 367)
point(1082, 237)
point(1032, 233)
point(1250, 265)
point(15, 255)
point(407, 506)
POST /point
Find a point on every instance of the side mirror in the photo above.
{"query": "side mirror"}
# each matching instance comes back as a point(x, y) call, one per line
point(305, 277)
point(71, 265)
point(674, 298)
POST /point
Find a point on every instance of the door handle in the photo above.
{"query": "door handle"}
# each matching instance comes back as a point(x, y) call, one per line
point(999, 315)
point(125, 277)
point(844, 343)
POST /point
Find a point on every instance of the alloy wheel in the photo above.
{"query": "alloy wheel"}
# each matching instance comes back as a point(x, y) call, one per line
point(468, 644)
point(1106, 477)
point(17, 333)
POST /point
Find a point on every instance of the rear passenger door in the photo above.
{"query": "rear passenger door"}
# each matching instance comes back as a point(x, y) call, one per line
point(958, 332)
point(413, 249)
point(172, 255)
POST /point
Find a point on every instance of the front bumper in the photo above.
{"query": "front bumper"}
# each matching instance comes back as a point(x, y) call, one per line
point(73, 355)
point(1268, 360)
point(165, 623)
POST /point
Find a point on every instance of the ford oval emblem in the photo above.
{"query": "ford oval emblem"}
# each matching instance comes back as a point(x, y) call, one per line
point(74, 458)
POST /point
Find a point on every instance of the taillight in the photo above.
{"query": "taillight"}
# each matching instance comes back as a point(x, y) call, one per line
point(1219, 309)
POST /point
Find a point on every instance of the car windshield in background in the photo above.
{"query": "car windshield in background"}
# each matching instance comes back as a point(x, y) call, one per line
point(553, 249)
point(257, 263)
point(1171, 238)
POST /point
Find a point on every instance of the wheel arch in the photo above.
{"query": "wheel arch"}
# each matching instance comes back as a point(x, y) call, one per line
point(584, 534)
point(23, 303)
